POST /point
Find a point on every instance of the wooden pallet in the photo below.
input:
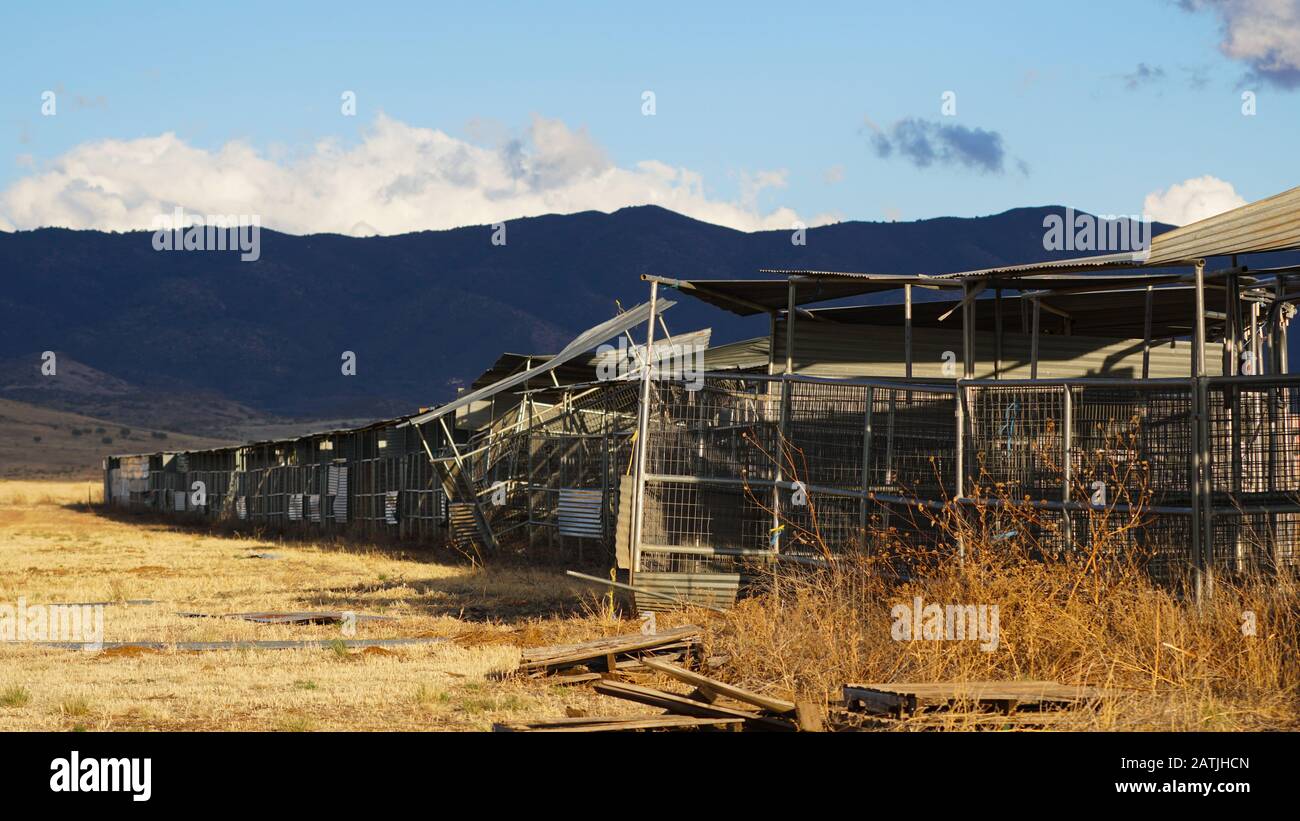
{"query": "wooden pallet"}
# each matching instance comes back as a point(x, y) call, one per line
point(1006, 696)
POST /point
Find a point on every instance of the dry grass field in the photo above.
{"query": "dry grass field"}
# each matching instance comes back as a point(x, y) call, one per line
point(52, 551)
point(1178, 668)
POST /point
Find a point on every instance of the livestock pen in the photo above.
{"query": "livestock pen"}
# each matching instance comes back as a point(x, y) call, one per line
point(1042, 400)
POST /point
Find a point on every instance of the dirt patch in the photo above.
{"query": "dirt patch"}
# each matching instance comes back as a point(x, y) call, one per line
point(128, 651)
point(150, 570)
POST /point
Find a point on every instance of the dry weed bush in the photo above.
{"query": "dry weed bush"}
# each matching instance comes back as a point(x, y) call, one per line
point(1092, 614)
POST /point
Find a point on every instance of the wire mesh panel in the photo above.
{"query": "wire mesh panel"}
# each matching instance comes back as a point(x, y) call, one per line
point(1254, 441)
point(1014, 440)
point(1247, 544)
point(788, 464)
point(1137, 440)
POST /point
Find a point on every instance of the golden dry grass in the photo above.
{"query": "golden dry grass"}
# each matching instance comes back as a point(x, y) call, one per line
point(52, 550)
point(1182, 668)
point(1230, 663)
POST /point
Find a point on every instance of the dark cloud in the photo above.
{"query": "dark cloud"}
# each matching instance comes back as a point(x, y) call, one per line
point(925, 143)
point(1143, 75)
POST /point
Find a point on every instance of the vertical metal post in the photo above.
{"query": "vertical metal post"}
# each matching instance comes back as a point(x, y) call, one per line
point(1033, 342)
point(1207, 489)
point(1231, 325)
point(997, 334)
point(967, 332)
point(1282, 368)
point(1067, 467)
point(789, 328)
point(907, 330)
point(642, 431)
point(1146, 334)
point(1200, 534)
point(1198, 325)
point(1256, 353)
point(959, 410)
point(771, 343)
point(791, 302)
point(866, 461)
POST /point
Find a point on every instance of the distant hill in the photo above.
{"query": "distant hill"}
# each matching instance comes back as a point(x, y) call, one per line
point(424, 312)
point(38, 442)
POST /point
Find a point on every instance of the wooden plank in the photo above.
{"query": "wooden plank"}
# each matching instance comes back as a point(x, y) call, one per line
point(681, 705)
point(811, 716)
point(774, 705)
point(605, 725)
point(568, 655)
point(598, 645)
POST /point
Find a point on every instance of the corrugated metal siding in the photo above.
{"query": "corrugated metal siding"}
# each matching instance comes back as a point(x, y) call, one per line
point(826, 349)
point(579, 513)
point(714, 589)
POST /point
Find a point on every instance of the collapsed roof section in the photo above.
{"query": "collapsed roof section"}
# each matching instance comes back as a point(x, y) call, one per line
point(585, 342)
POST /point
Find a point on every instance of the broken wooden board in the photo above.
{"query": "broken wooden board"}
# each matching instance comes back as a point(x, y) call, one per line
point(721, 688)
point(903, 698)
point(680, 705)
point(618, 724)
point(634, 664)
point(303, 617)
point(568, 655)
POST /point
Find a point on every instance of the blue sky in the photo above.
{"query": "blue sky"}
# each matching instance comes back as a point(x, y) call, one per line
point(776, 111)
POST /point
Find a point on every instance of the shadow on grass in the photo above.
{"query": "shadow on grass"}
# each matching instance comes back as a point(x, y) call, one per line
point(506, 586)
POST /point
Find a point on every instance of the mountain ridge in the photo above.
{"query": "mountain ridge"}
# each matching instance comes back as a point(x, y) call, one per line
point(424, 312)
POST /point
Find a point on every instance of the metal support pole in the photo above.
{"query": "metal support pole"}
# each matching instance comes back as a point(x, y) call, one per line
point(791, 303)
point(866, 461)
point(1256, 353)
point(1231, 325)
point(1281, 328)
point(967, 332)
point(1067, 443)
point(642, 435)
point(997, 333)
point(1201, 535)
point(1033, 342)
point(907, 330)
point(1146, 334)
point(959, 410)
point(1198, 325)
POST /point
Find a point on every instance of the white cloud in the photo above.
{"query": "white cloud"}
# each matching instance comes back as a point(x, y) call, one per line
point(399, 178)
point(1264, 34)
point(1192, 200)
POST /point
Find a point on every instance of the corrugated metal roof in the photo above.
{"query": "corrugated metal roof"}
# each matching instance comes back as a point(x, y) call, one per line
point(583, 343)
point(839, 351)
point(748, 297)
point(1271, 224)
point(1119, 313)
point(575, 372)
point(745, 355)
